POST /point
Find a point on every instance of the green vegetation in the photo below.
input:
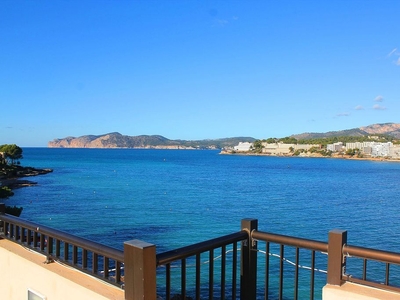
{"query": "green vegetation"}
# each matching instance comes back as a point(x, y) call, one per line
point(5, 192)
point(9, 158)
point(257, 146)
point(11, 154)
point(323, 141)
point(288, 140)
point(299, 151)
point(347, 139)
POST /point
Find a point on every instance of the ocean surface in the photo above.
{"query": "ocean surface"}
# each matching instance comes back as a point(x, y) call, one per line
point(174, 198)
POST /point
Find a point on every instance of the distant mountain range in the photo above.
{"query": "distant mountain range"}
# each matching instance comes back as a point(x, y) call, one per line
point(117, 140)
point(389, 129)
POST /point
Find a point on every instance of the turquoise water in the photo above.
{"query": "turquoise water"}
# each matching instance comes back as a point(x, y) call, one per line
point(173, 198)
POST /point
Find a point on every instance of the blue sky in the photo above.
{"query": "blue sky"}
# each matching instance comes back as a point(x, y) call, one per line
point(196, 69)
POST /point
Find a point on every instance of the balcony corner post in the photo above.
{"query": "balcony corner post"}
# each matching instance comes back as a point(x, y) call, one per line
point(336, 260)
point(248, 262)
point(140, 270)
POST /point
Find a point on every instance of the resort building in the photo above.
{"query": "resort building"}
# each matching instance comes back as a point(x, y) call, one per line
point(374, 149)
point(283, 149)
point(336, 147)
point(243, 147)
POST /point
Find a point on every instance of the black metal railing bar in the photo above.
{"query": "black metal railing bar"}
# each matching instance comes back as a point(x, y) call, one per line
point(386, 258)
point(80, 253)
point(207, 248)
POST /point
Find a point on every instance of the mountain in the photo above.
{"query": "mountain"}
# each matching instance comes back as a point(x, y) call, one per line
point(117, 140)
point(389, 129)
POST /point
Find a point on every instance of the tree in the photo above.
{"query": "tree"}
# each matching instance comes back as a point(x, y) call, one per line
point(5, 192)
point(257, 146)
point(11, 153)
point(271, 140)
point(288, 140)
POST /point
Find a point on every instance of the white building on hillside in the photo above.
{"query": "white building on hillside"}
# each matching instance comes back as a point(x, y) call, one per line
point(282, 148)
point(336, 147)
point(381, 149)
point(243, 146)
point(358, 145)
point(376, 149)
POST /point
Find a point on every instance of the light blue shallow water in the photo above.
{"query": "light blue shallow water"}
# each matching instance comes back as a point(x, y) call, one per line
point(173, 198)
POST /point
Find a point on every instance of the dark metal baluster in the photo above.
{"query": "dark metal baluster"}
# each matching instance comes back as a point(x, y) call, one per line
point(364, 277)
point(183, 278)
point(74, 255)
point(35, 239)
point(234, 271)
point(223, 267)
point(29, 238)
point(266, 288)
point(211, 275)
point(106, 266)
point(66, 251)
point(312, 275)
point(23, 236)
point(17, 235)
point(50, 245)
point(296, 275)
point(42, 241)
point(95, 263)
point(117, 272)
point(198, 275)
point(282, 252)
point(387, 274)
point(84, 259)
point(12, 235)
point(168, 281)
point(6, 229)
point(58, 248)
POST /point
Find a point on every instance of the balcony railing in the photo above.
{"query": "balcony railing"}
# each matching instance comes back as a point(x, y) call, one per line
point(247, 264)
point(98, 260)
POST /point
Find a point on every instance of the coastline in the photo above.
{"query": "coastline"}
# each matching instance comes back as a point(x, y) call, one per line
point(14, 181)
point(312, 155)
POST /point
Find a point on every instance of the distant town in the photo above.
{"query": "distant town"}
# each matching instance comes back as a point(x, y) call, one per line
point(361, 150)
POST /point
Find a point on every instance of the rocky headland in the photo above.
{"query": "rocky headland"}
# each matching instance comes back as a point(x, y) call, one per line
point(117, 140)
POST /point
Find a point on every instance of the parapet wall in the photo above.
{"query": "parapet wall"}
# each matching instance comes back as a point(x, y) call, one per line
point(23, 270)
point(352, 291)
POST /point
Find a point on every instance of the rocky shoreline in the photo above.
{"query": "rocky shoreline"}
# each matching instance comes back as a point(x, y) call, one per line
point(14, 181)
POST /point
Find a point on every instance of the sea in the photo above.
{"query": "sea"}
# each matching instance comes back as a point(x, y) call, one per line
point(174, 198)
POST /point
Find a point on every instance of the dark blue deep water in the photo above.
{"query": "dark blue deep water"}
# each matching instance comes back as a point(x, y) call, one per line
point(173, 198)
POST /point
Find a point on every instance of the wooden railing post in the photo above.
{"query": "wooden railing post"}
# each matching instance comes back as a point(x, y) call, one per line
point(248, 262)
point(336, 260)
point(140, 270)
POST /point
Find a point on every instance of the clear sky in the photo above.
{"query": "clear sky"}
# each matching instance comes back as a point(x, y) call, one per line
point(196, 69)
